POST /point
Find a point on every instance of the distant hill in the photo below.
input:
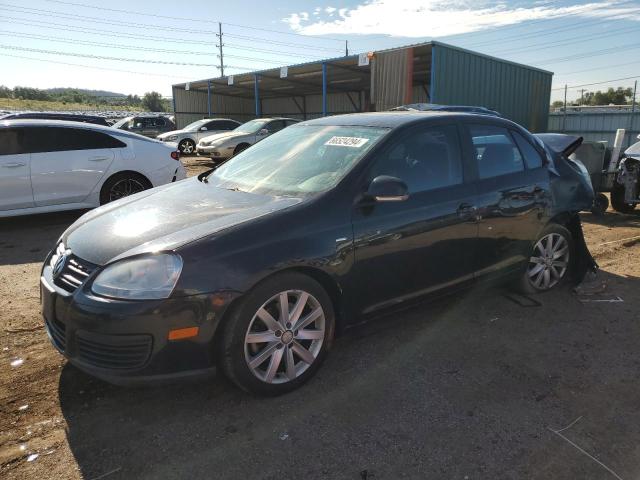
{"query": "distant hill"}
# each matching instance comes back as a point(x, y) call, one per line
point(92, 93)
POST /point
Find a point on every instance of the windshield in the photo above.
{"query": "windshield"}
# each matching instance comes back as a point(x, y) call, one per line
point(253, 126)
point(298, 160)
point(120, 123)
point(192, 127)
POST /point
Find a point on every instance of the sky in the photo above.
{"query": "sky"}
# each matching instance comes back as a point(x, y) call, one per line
point(135, 47)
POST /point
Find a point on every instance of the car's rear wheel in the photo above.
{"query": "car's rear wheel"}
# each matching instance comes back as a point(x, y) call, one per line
point(187, 146)
point(617, 200)
point(278, 336)
point(122, 185)
point(240, 148)
point(550, 260)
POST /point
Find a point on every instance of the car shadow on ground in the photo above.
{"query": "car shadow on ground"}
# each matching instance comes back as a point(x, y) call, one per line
point(613, 219)
point(469, 385)
point(29, 238)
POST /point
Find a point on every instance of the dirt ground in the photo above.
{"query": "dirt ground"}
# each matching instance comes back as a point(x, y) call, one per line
point(483, 385)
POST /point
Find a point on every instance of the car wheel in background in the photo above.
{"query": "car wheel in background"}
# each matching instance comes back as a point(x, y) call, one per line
point(277, 337)
point(122, 185)
point(240, 148)
point(187, 146)
point(550, 261)
point(600, 204)
point(617, 200)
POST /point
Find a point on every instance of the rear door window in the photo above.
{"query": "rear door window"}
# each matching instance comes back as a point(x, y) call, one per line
point(495, 151)
point(56, 139)
point(532, 158)
point(12, 141)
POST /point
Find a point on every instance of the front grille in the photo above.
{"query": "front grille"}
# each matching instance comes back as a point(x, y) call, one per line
point(113, 351)
point(74, 270)
point(58, 333)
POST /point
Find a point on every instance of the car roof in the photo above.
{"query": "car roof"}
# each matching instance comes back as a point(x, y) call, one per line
point(28, 122)
point(50, 114)
point(396, 119)
point(274, 118)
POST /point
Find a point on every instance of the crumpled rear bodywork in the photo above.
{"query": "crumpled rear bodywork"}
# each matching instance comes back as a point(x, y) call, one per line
point(571, 187)
point(572, 192)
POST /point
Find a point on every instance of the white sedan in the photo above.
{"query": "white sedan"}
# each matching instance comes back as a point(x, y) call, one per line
point(49, 165)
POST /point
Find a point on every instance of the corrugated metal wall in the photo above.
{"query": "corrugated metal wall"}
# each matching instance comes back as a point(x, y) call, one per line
point(521, 94)
point(596, 127)
point(389, 78)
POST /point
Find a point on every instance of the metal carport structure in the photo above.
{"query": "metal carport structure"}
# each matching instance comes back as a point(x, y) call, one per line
point(428, 72)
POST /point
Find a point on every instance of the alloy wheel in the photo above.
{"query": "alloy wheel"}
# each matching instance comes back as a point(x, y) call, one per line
point(285, 336)
point(124, 188)
point(188, 147)
point(549, 262)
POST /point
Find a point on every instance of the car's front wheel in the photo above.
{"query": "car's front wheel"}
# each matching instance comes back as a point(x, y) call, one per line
point(550, 260)
point(278, 336)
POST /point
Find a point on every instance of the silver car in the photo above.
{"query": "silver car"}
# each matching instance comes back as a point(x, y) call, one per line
point(225, 145)
point(189, 136)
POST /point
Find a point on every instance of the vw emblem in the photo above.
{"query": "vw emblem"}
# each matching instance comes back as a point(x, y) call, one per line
point(59, 265)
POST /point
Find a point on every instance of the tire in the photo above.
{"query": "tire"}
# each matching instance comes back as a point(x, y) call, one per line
point(240, 148)
point(187, 146)
point(617, 200)
point(261, 352)
point(122, 185)
point(548, 271)
point(600, 204)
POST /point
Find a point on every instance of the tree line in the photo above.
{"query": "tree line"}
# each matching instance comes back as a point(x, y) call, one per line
point(151, 101)
point(612, 96)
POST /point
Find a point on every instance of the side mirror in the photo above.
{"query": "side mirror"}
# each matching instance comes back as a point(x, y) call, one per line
point(263, 132)
point(388, 189)
point(203, 129)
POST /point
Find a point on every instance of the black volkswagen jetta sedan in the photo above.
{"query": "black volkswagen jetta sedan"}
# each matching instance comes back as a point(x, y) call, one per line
point(254, 266)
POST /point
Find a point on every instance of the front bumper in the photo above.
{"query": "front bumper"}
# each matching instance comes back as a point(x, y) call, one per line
point(221, 153)
point(126, 342)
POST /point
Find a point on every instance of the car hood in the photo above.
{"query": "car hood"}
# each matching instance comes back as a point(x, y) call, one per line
point(164, 218)
point(225, 136)
point(633, 150)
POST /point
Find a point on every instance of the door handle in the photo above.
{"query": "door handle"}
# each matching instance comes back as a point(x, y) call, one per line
point(98, 159)
point(466, 210)
point(13, 165)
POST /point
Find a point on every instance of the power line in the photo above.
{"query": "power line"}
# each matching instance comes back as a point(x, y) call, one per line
point(551, 29)
point(83, 18)
point(607, 67)
point(200, 20)
point(597, 83)
point(274, 42)
point(594, 53)
point(74, 41)
point(89, 66)
point(119, 59)
point(94, 31)
point(578, 39)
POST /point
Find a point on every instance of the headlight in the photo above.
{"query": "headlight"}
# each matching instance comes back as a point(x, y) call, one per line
point(172, 138)
point(144, 278)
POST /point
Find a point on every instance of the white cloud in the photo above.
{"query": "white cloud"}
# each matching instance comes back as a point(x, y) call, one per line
point(330, 10)
point(437, 18)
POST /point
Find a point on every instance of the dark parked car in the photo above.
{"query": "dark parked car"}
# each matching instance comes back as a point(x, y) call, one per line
point(256, 265)
point(69, 117)
point(148, 125)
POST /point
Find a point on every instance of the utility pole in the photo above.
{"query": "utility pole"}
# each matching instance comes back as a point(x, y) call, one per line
point(564, 118)
point(582, 97)
point(633, 110)
point(346, 48)
point(220, 45)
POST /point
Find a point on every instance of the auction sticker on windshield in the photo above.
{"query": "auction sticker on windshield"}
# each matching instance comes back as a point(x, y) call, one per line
point(353, 142)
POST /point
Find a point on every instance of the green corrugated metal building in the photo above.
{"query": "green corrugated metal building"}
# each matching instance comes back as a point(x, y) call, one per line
point(430, 72)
